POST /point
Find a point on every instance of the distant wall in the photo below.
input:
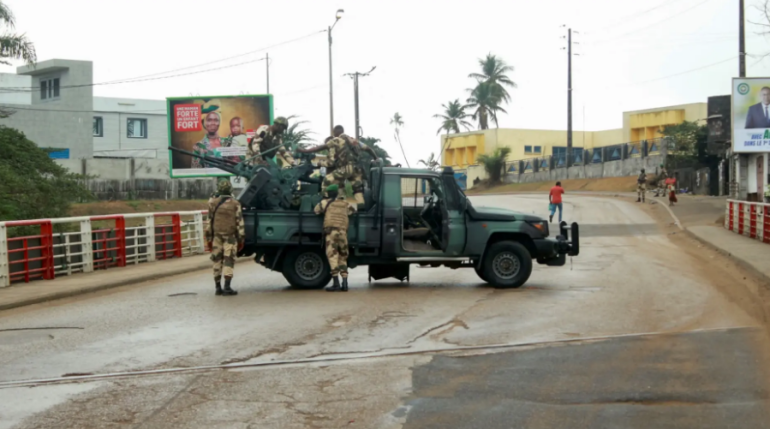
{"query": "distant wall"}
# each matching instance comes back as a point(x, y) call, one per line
point(142, 179)
point(620, 168)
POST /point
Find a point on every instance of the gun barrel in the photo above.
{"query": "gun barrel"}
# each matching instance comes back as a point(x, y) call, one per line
point(204, 157)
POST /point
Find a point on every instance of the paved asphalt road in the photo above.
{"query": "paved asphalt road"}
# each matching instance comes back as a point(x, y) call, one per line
point(699, 361)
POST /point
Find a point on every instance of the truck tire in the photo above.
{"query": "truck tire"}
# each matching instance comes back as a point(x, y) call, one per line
point(507, 264)
point(306, 268)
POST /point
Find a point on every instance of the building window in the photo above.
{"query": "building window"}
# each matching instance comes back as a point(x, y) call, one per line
point(527, 149)
point(49, 88)
point(137, 128)
point(538, 149)
point(98, 127)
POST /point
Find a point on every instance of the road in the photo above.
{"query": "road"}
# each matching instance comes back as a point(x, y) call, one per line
point(635, 332)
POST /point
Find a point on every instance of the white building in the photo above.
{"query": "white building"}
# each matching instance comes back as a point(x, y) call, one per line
point(130, 128)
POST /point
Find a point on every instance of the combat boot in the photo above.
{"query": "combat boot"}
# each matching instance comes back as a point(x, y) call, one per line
point(344, 287)
point(335, 287)
point(638, 200)
point(219, 287)
point(228, 290)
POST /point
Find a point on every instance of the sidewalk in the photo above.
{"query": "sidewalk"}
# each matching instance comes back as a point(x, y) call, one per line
point(21, 294)
point(703, 218)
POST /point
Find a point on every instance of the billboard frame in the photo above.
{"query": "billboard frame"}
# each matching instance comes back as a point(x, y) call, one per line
point(733, 141)
point(169, 119)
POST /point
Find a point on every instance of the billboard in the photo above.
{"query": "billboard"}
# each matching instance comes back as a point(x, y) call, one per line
point(751, 115)
point(220, 126)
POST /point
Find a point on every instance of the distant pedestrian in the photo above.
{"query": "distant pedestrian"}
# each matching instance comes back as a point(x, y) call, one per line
point(555, 198)
point(641, 186)
point(671, 189)
point(225, 235)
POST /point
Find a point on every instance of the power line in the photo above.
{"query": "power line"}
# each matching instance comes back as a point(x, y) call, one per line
point(12, 107)
point(148, 77)
point(613, 38)
point(622, 20)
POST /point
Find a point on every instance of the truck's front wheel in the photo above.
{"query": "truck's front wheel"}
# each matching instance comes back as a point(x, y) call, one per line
point(306, 268)
point(507, 264)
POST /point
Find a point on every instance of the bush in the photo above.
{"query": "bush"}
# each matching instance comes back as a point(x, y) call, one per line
point(32, 185)
point(494, 164)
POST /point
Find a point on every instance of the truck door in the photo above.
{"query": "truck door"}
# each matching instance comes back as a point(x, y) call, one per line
point(453, 218)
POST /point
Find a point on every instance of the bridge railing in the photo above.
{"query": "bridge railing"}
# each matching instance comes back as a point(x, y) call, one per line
point(50, 248)
point(749, 219)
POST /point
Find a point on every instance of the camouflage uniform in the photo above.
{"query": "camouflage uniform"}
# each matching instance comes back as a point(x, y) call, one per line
point(641, 186)
point(661, 182)
point(225, 232)
point(336, 212)
point(203, 148)
point(265, 140)
point(344, 154)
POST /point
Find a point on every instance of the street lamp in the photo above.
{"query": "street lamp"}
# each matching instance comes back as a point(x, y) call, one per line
point(337, 17)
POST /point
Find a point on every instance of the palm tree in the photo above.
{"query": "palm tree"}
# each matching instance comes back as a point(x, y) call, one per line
point(453, 117)
point(431, 163)
point(494, 164)
point(493, 71)
point(13, 46)
point(294, 137)
point(485, 101)
point(397, 121)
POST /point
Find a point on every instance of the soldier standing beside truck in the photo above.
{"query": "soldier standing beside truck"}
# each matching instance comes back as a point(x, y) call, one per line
point(268, 137)
point(336, 211)
point(225, 235)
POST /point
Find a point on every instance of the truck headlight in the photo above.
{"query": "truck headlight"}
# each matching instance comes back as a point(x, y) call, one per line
point(541, 226)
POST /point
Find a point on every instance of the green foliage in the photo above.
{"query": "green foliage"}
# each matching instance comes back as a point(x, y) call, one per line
point(32, 185)
point(494, 72)
point(494, 164)
point(398, 122)
point(295, 137)
point(13, 47)
point(453, 117)
point(487, 97)
point(686, 144)
point(381, 153)
point(431, 163)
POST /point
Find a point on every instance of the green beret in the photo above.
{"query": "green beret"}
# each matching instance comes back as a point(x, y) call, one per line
point(333, 188)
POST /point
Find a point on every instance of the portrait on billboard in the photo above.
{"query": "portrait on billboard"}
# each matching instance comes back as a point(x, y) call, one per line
point(751, 115)
point(216, 127)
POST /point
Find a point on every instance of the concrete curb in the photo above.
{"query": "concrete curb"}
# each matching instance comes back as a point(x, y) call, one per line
point(118, 282)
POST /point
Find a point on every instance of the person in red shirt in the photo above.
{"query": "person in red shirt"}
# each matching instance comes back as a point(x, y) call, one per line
point(555, 198)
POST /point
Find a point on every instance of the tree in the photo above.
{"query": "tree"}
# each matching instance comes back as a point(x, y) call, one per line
point(294, 137)
point(32, 185)
point(13, 46)
point(494, 72)
point(398, 122)
point(485, 101)
point(431, 163)
point(381, 153)
point(494, 164)
point(453, 117)
point(686, 144)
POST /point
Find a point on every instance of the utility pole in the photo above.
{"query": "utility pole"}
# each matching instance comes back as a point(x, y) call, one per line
point(267, 66)
point(570, 154)
point(331, 83)
point(741, 41)
point(355, 77)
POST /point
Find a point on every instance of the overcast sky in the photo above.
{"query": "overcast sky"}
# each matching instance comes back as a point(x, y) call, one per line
point(423, 50)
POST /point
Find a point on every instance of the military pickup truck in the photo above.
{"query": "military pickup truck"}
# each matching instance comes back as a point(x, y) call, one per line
point(411, 216)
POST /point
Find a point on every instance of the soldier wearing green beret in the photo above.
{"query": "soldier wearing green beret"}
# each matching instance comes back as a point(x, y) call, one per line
point(336, 211)
point(225, 235)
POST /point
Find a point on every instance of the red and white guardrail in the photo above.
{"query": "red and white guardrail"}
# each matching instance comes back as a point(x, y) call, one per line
point(63, 246)
point(749, 219)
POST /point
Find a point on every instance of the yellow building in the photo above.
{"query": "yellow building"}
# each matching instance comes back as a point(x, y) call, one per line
point(461, 150)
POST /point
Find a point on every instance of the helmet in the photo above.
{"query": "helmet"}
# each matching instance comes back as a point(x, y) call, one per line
point(281, 121)
point(333, 188)
point(224, 187)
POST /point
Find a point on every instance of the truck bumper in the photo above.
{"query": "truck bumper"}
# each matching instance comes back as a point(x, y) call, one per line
point(553, 252)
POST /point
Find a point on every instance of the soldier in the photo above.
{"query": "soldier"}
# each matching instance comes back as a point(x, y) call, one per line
point(268, 137)
point(344, 153)
point(336, 211)
point(661, 181)
point(641, 186)
point(225, 234)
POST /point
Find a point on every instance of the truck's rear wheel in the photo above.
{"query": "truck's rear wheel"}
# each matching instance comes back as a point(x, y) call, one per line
point(507, 264)
point(306, 268)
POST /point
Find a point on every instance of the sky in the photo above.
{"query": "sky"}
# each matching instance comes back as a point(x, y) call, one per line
point(629, 55)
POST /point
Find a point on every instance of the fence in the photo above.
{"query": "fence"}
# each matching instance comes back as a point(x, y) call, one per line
point(581, 156)
point(64, 246)
point(749, 219)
